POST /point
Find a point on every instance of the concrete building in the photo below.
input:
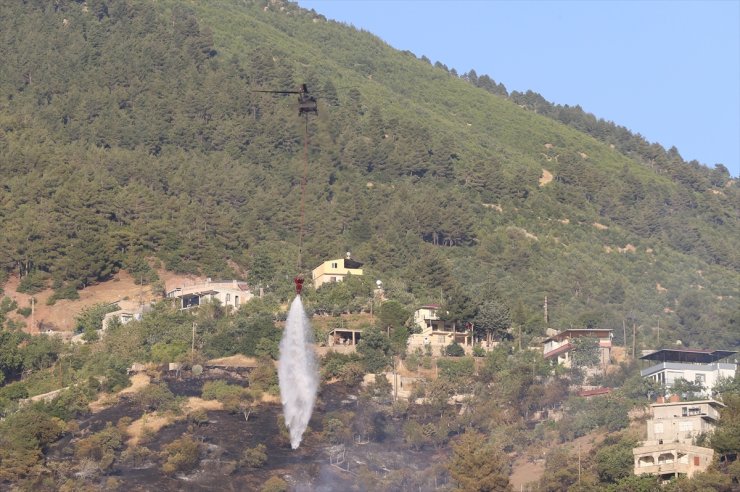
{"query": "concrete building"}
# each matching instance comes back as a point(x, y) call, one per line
point(559, 346)
point(672, 430)
point(123, 316)
point(335, 270)
point(436, 333)
point(705, 367)
point(232, 293)
point(344, 337)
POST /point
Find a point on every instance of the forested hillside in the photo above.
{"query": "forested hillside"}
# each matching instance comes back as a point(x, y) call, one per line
point(130, 132)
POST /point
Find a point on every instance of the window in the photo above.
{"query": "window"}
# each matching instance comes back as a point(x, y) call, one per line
point(685, 426)
point(684, 411)
point(700, 378)
point(334, 265)
point(228, 297)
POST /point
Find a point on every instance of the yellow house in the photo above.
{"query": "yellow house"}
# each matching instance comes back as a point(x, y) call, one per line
point(335, 270)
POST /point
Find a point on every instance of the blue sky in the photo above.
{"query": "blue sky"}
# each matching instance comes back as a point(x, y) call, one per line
point(669, 70)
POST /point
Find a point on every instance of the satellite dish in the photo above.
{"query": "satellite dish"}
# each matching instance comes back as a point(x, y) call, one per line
point(378, 283)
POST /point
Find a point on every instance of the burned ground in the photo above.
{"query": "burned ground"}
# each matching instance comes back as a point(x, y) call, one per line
point(225, 436)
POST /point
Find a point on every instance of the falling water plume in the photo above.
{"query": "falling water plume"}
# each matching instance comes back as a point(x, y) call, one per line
point(297, 371)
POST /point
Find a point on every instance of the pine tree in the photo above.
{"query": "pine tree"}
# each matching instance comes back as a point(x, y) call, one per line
point(477, 465)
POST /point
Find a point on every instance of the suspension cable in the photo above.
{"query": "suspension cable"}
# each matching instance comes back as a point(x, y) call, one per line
point(303, 194)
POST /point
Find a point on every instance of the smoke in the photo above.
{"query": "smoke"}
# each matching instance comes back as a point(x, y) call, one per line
point(298, 372)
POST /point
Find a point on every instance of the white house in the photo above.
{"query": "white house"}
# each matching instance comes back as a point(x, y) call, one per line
point(559, 346)
point(232, 293)
point(436, 333)
point(705, 367)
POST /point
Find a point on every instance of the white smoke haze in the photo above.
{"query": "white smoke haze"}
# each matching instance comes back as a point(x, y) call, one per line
point(298, 372)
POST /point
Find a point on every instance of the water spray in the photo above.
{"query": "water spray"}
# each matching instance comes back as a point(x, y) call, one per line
point(298, 370)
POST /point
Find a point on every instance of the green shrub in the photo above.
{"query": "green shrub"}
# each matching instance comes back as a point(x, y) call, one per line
point(101, 446)
point(157, 396)
point(454, 350)
point(25, 312)
point(33, 282)
point(456, 370)
point(255, 457)
point(275, 484)
point(66, 291)
point(332, 364)
point(182, 455)
point(222, 391)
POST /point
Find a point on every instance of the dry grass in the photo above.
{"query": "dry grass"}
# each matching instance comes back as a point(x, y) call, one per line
point(120, 289)
point(524, 472)
point(194, 403)
point(105, 400)
point(149, 422)
point(237, 360)
point(138, 381)
point(154, 422)
point(545, 178)
point(268, 398)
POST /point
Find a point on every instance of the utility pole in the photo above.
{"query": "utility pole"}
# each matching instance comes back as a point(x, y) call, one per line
point(579, 463)
point(192, 345)
point(141, 293)
point(547, 319)
point(634, 336)
point(658, 332)
point(395, 380)
point(33, 312)
point(624, 335)
point(520, 338)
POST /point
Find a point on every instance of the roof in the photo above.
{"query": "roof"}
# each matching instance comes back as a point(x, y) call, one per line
point(578, 332)
point(558, 351)
point(713, 403)
point(348, 263)
point(345, 330)
point(696, 356)
point(595, 392)
point(430, 306)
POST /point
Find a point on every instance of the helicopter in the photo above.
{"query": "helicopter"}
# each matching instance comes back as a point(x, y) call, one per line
point(306, 102)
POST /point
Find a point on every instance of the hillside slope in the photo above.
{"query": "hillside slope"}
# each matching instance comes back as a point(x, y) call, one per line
point(130, 129)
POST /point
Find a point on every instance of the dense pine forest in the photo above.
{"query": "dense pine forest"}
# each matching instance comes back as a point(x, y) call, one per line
point(131, 131)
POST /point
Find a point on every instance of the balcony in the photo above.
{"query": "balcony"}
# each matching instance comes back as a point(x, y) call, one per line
point(663, 469)
point(682, 366)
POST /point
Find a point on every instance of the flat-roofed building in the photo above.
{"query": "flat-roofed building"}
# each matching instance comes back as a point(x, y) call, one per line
point(672, 430)
point(335, 270)
point(705, 367)
point(231, 293)
point(436, 334)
